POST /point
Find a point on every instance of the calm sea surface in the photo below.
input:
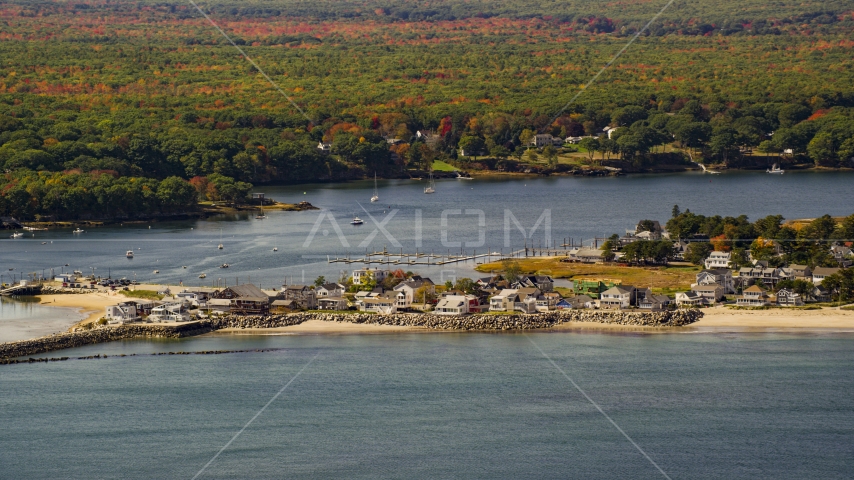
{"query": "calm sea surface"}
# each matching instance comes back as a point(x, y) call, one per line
point(479, 216)
point(716, 406)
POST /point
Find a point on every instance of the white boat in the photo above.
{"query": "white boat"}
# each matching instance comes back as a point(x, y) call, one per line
point(129, 254)
point(261, 215)
point(431, 186)
point(157, 271)
point(16, 235)
point(220, 240)
point(461, 177)
point(78, 230)
point(275, 249)
point(775, 169)
point(376, 197)
point(224, 265)
point(203, 276)
point(356, 221)
point(185, 266)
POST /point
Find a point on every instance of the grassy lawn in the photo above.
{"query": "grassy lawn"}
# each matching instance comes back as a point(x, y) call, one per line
point(146, 294)
point(440, 166)
point(662, 279)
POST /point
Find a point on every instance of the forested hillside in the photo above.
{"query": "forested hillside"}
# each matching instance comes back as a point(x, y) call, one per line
point(128, 108)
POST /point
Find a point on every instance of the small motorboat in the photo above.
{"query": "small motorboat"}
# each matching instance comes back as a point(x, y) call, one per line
point(78, 230)
point(275, 249)
point(184, 266)
point(203, 276)
point(44, 243)
point(219, 246)
point(16, 235)
point(775, 169)
point(356, 221)
point(129, 254)
point(431, 187)
point(157, 271)
point(224, 265)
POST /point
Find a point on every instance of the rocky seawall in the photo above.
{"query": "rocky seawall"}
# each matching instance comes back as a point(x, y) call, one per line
point(482, 322)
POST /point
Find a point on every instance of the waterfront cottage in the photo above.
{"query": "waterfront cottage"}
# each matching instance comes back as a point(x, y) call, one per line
point(581, 301)
point(124, 312)
point(710, 293)
point(329, 290)
point(589, 255)
point(332, 303)
point(384, 304)
point(504, 301)
point(169, 312)
point(621, 296)
point(282, 306)
point(409, 289)
point(788, 298)
point(302, 295)
point(245, 299)
point(455, 305)
point(753, 297)
point(689, 299)
point(646, 300)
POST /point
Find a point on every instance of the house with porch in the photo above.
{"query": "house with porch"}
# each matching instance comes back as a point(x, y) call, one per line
point(302, 295)
point(504, 300)
point(788, 298)
point(245, 299)
point(543, 283)
point(689, 299)
point(329, 290)
point(124, 312)
point(169, 312)
point(718, 260)
point(409, 289)
point(383, 304)
point(754, 297)
point(718, 276)
point(646, 300)
point(801, 272)
point(710, 294)
point(455, 305)
point(332, 303)
point(620, 296)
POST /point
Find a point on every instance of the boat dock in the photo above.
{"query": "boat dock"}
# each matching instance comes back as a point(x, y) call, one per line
point(21, 289)
point(423, 258)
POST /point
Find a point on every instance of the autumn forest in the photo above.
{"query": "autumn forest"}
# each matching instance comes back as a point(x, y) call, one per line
point(120, 109)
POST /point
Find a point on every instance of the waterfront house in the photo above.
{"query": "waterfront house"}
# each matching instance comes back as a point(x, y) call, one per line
point(653, 302)
point(504, 301)
point(143, 307)
point(718, 276)
point(754, 297)
point(409, 289)
point(364, 275)
point(124, 312)
point(455, 305)
point(282, 306)
point(329, 290)
point(581, 301)
point(690, 299)
point(384, 304)
point(332, 303)
point(548, 301)
point(821, 294)
point(245, 299)
point(526, 300)
point(769, 276)
point(620, 296)
point(302, 295)
point(169, 312)
point(788, 298)
point(820, 273)
point(710, 293)
point(544, 139)
point(219, 305)
point(718, 260)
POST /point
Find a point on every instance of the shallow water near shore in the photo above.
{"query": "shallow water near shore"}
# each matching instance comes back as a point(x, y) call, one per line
point(25, 318)
point(759, 405)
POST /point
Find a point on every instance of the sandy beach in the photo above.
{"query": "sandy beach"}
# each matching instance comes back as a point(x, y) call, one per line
point(826, 318)
point(92, 305)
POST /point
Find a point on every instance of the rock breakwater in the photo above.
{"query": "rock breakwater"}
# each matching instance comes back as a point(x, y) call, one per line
point(480, 322)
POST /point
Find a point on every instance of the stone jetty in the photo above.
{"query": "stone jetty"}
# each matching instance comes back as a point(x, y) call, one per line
point(479, 322)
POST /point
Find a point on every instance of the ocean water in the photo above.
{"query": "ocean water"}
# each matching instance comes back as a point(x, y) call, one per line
point(23, 318)
point(485, 214)
point(438, 405)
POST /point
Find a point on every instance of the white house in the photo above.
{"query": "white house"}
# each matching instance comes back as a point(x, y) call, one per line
point(688, 298)
point(504, 301)
point(718, 260)
point(620, 296)
point(788, 298)
point(384, 304)
point(820, 273)
point(329, 290)
point(753, 297)
point(710, 293)
point(362, 275)
point(409, 288)
point(454, 304)
point(122, 313)
point(543, 139)
point(169, 312)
